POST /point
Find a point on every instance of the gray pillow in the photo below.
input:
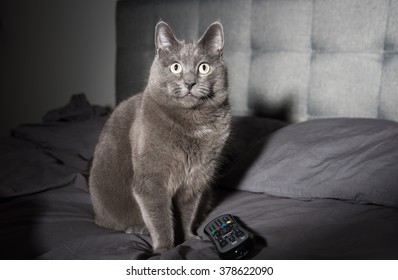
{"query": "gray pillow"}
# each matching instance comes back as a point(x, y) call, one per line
point(349, 159)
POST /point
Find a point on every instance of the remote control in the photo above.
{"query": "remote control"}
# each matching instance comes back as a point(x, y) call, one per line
point(232, 241)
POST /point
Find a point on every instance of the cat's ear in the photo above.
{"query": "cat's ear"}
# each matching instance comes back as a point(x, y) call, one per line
point(164, 37)
point(213, 39)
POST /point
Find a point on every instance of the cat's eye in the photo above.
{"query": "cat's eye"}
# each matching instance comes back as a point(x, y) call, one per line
point(204, 68)
point(176, 68)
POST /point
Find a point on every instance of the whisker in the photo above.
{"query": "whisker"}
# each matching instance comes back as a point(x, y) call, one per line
point(213, 103)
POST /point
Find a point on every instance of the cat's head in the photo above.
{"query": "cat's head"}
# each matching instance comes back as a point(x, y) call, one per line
point(189, 75)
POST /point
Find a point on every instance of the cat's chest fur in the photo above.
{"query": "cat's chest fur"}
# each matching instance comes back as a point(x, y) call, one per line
point(182, 147)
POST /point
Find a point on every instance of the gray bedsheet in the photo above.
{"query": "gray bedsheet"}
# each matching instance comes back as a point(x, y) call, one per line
point(46, 213)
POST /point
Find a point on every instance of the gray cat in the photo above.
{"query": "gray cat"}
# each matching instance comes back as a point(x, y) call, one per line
point(160, 149)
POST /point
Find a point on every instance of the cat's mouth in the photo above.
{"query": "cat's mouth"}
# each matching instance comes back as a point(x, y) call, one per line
point(191, 97)
point(189, 94)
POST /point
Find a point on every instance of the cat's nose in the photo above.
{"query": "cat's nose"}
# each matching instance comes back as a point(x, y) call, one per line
point(189, 85)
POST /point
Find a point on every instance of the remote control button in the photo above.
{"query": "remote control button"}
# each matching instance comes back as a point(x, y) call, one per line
point(239, 234)
point(226, 235)
point(223, 243)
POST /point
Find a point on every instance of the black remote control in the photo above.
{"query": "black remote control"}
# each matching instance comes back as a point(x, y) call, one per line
point(232, 240)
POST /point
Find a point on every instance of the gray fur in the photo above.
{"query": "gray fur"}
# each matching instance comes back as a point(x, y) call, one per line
point(159, 150)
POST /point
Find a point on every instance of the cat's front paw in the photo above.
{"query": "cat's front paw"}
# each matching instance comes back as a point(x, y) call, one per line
point(191, 236)
point(161, 247)
point(161, 250)
point(137, 230)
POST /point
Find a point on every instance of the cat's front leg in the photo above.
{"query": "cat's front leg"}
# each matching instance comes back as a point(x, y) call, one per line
point(155, 205)
point(188, 204)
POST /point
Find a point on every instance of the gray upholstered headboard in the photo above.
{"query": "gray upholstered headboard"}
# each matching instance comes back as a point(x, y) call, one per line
point(291, 59)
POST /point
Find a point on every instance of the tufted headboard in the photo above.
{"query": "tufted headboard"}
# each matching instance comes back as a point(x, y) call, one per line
point(289, 59)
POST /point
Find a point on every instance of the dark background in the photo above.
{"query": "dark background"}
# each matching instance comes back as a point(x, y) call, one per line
point(51, 50)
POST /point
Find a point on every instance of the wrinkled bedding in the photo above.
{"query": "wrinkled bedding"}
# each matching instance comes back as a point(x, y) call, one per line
point(46, 212)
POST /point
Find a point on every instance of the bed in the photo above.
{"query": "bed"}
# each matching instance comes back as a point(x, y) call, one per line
point(310, 167)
